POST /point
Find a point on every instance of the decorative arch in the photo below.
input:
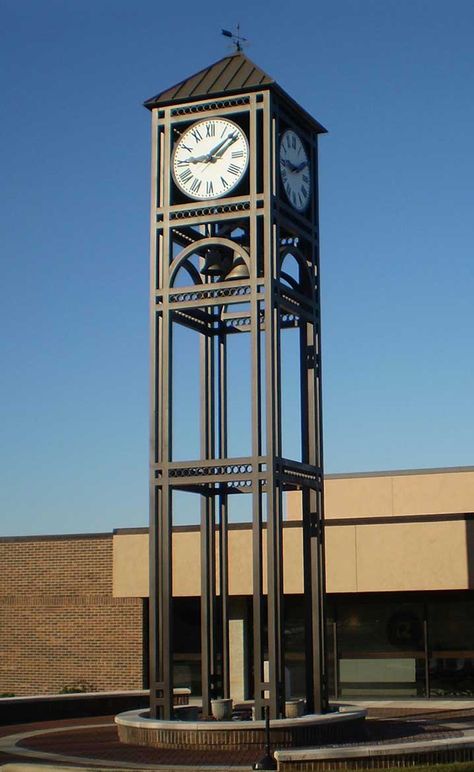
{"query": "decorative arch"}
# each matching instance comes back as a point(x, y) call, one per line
point(197, 248)
point(305, 284)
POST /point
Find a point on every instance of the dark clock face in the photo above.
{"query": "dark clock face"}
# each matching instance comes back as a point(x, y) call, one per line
point(210, 159)
point(294, 170)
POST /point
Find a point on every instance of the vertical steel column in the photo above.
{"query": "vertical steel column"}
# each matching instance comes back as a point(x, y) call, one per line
point(274, 493)
point(319, 459)
point(258, 254)
point(161, 681)
point(313, 530)
point(155, 448)
point(208, 546)
point(223, 515)
point(153, 615)
point(165, 611)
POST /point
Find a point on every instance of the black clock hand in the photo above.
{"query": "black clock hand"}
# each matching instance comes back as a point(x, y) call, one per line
point(220, 148)
point(301, 166)
point(289, 165)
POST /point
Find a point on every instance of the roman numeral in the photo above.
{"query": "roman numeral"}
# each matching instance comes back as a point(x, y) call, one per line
point(209, 188)
point(225, 184)
point(237, 154)
point(210, 129)
point(304, 191)
point(187, 148)
point(305, 178)
point(233, 169)
point(293, 197)
point(185, 175)
point(196, 185)
point(293, 142)
point(284, 174)
point(197, 135)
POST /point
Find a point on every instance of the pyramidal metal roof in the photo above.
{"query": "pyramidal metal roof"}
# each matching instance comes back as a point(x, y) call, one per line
point(232, 74)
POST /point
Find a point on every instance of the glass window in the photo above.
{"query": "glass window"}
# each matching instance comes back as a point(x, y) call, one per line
point(451, 625)
point(451, 642)
point(379, 628)
point(380, 648)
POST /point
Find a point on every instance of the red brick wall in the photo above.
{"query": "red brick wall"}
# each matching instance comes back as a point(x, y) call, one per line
point(59, 624)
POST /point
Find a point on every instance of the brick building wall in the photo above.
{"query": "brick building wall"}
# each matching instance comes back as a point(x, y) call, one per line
point(59, 623)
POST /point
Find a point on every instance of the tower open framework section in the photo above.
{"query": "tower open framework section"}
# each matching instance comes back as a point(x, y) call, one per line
point(244, 263)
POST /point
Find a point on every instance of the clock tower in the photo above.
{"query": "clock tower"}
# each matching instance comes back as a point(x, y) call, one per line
point(235, 252)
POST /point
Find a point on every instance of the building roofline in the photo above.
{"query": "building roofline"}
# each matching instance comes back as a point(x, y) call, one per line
point(58, 537)
point(400, 472)
point(144, 529)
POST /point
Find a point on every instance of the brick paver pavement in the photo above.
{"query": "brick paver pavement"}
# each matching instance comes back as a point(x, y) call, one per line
point(100, 741)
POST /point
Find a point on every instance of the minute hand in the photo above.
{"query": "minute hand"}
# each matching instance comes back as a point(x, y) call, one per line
point(220, 149)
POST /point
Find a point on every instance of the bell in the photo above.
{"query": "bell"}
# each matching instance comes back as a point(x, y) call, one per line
point(238, 268)
point(213, 263)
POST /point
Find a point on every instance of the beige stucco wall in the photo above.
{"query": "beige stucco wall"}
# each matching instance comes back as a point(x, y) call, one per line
point(400, 494)
point(426, 554)
point(130, 565)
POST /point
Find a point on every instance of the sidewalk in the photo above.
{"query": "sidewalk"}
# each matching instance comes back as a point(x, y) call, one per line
point(92, 743)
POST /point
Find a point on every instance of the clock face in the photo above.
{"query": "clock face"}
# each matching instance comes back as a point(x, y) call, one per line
point(210, 158)
point(294, 170)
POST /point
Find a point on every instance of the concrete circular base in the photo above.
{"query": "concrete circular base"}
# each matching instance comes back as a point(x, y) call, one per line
point(134, 727)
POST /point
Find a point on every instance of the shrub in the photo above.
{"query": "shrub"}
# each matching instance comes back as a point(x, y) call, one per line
point(78, 688)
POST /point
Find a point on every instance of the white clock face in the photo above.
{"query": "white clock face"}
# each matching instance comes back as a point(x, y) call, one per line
point(294, 170)
point(210, 158)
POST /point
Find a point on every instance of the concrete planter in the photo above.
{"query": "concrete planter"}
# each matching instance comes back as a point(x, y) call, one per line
point(222, 709)
point(294, 708)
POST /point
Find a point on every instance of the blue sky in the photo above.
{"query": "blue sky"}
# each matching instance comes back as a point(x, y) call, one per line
point(392, 81)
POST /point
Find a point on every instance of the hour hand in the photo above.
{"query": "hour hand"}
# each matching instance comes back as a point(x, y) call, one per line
point(301, 166)
point(289, 165)
point(193, 160)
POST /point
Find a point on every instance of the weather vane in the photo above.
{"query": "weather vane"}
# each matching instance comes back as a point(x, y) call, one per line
point(237, 38)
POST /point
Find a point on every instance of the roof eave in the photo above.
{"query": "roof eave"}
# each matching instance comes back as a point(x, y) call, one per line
point(156, 102)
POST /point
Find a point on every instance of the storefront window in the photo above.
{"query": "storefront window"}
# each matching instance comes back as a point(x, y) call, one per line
point(380, 649)
point(451, 642)
point(187, 644)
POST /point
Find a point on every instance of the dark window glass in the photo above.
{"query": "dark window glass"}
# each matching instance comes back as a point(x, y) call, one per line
point(380, 648)
point(187, 644)
point(379, 627)
point(451, 642)
point(294, 646)
point(451, 677)
point(451, 625)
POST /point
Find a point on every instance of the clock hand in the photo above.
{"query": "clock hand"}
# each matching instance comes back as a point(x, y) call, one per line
point(289, 165)
point(192, 160)
point(216, 152)
point(301, 166)
point(221, 147)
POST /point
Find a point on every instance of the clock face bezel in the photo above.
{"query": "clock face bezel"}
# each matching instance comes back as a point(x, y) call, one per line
point(303, 190)
point(224, 164)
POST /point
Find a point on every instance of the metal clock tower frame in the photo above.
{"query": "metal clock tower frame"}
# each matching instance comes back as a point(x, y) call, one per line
point(233, 250)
